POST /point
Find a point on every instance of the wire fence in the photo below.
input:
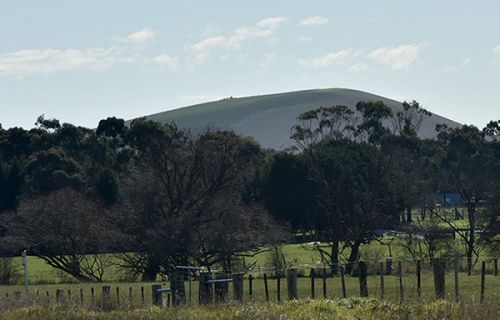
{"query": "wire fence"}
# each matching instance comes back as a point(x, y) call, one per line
point(395, 280)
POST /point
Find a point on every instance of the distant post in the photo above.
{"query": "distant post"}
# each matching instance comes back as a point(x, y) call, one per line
point(363, 272)
point(238, 287)
point(291, 281)
point(342, 278)
point(439, 266)
point(106, 297)
point(156, 295)
point(419, 282)
point(205, 288)
point(25, 269)
point(382, 287)
point(483, 275)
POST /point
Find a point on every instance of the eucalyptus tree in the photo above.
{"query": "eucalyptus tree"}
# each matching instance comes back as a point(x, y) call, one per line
point(469, 164)
point(353, 179)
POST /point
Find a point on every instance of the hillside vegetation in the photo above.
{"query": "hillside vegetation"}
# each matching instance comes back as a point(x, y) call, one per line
point(268, 118)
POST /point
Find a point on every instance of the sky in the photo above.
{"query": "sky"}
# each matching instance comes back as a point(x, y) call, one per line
point(83, 61)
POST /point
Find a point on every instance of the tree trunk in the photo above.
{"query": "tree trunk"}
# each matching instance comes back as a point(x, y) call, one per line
point(353, 256)
point(472, 238)
point(408, 215)
point(335, 257)
point(151, 270)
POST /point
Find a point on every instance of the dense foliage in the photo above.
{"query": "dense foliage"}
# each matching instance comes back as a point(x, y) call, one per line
point(158, 196)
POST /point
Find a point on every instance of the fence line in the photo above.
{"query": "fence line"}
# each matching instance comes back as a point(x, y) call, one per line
point(214, 287)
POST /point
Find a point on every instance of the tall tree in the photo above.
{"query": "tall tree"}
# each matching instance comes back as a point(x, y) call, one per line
point(468, 167)
point(182, 189)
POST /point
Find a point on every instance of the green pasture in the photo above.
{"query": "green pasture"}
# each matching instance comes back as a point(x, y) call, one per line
point(303, 255)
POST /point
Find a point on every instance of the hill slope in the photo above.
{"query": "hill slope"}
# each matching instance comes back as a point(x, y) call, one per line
point(268, 118)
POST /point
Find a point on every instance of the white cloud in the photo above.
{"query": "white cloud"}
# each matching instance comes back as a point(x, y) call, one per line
point(326, 60)
point(48, 61)
point(209, 43)
point(269, 60)
point(314, 21)
point(167, 62)
point(496, 50)
point(210, 30)
point(397, 58)
point(457, 67)
point(146, 34)
point(496, 54)
point(359, 67)
point(304, 39)
point(262, 29)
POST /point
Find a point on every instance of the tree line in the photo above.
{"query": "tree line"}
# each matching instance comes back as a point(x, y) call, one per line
point(157, 196)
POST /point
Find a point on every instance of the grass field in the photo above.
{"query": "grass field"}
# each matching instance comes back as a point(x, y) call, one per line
point(299, 254)
point(354, 308)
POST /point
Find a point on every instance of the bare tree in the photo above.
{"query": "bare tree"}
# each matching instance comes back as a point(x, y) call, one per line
point(66, 229)
point(185, 202)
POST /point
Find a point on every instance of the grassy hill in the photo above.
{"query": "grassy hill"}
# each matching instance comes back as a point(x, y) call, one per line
point(268, 118)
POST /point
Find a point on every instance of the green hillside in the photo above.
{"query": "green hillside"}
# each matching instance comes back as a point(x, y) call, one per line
point(268, 118)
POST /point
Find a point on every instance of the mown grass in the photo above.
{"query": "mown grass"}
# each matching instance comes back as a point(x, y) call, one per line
point(354, 308)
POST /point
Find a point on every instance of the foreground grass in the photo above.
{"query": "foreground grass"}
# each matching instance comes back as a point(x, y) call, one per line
point(354, 308)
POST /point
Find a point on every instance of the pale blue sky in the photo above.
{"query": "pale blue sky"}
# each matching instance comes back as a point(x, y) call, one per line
point(83, 61)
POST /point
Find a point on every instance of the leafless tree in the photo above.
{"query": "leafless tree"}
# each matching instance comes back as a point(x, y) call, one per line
point(66, 229)
point(185, 204)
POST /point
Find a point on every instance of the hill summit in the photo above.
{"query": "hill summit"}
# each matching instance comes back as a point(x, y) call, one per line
point(269, 118)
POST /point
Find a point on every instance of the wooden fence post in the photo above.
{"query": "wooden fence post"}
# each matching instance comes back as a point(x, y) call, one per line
point(190, 288)
point(342, 278)
point(205, 289)
point(324, 284)
point(455, 272)
point(118, 295)
point(130, 296)
point(221, 289)
point(81, 296)
point(388, 266)
point(363, 273)
point(92, 295)
point(401, 288)
point(495, 265)
point(59, 295)
point(313, 289)
point(278, 288)
point(419, 279)
point(291, 281)
point(238, 291)
point(250, 285)
point(178, 288)
point(106, 297)
point(266, 288)
point(143, 300)
point(483, 278)
point(382, 285)
point(439, 267)
point(155, 294)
